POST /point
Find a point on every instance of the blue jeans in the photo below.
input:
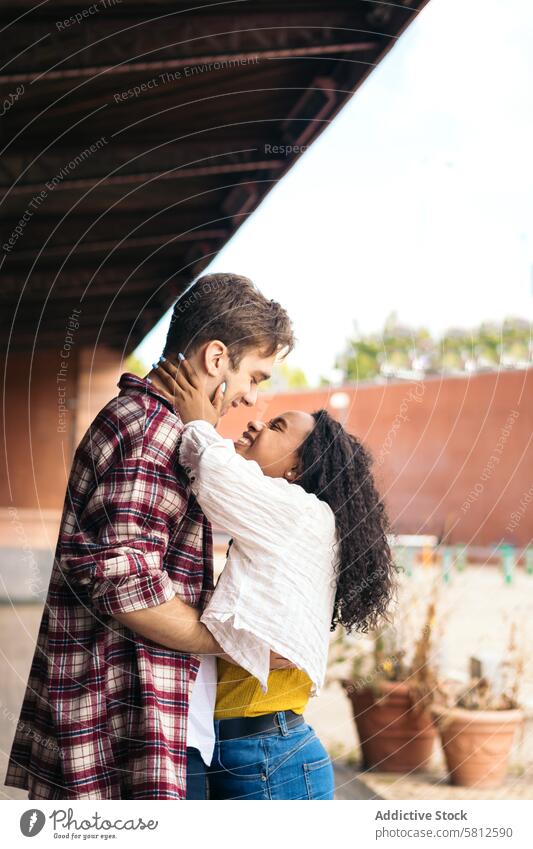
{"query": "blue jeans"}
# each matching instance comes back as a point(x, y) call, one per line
point(196, 775)
point(284, 764)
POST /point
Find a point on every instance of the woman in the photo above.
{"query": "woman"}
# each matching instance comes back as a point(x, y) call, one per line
point(309, 551)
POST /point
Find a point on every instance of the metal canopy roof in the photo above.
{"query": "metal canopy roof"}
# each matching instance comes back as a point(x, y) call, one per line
point(139, 136)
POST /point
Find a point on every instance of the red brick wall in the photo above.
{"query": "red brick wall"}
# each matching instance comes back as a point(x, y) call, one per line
point(38, 442)
point(433, 443)
point(450, 454)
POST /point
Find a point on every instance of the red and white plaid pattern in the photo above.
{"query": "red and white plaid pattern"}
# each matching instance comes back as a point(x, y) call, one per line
point(105, 710)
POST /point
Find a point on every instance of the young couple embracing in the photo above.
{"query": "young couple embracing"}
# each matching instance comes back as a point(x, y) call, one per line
point(147, 681)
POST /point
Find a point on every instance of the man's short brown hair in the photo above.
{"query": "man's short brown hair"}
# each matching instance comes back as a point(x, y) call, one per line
point(230, 308)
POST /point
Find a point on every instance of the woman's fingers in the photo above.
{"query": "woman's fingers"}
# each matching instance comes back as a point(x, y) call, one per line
point(161, 380)
point(218, 399)
point(186, 368)
point(172, 384)
point(169, 368)
point(174, 376)
point(183, 384)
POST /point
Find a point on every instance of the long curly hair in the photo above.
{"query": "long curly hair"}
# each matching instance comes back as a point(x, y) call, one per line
point(336, 467)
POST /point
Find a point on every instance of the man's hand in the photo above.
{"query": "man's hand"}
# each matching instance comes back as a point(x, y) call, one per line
point(183, 388)
point(276, 661)
point(279, 662)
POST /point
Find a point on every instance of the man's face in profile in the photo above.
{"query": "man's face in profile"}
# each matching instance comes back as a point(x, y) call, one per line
point(242, 383)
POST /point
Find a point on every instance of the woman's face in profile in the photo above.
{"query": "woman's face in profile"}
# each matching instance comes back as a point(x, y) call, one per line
point(274, 445)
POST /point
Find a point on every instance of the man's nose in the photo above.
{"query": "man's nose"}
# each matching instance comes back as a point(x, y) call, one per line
point(255, 425)
point(250, 398)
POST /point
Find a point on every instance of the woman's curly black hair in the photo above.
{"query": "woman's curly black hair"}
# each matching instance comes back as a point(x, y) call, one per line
point(335, 466)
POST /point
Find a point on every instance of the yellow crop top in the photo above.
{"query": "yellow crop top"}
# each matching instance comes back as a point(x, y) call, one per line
point(240, 694)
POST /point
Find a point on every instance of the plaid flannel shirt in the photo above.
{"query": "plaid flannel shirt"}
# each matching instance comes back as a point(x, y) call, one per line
point(105, 711)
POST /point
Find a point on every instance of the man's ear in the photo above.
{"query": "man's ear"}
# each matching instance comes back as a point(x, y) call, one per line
point(215, 358)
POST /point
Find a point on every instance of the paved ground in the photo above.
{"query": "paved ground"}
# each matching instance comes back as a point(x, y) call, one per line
point(434, 785)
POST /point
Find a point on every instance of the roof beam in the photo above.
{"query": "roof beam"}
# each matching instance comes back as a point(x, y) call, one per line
point(187, 61)
point(177, 173)
point(128, 244)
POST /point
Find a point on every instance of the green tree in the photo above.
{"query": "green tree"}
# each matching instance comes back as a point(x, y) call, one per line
point(400, 348)
point(285, 378)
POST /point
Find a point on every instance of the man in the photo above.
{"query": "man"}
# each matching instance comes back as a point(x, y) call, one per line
point(106, 709)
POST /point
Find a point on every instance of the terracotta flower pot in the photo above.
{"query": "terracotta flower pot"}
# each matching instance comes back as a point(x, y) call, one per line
point(477, 743)
point(393, 736)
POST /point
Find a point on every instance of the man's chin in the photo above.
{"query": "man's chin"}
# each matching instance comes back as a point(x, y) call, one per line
point(229, 405)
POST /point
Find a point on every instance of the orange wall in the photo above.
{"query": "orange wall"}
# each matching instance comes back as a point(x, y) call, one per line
point(443, 460)
point(39, 441)
point(432, 442)
point(32, 467)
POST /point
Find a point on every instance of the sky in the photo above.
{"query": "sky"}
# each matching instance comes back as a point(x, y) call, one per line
point(417, 199)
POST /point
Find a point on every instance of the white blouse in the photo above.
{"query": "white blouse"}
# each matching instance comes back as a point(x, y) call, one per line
point(277, 589)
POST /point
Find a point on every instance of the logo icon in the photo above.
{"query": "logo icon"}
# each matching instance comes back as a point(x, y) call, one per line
point(31, 822)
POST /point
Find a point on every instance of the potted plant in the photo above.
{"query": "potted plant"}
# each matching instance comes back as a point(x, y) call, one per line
point(477, 722)
point(390, 697)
